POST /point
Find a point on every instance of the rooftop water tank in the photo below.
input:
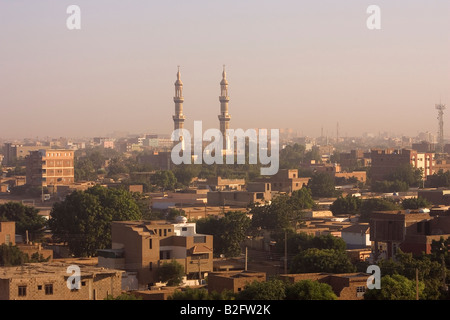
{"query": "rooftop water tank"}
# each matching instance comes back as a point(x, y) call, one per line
point(181, 219)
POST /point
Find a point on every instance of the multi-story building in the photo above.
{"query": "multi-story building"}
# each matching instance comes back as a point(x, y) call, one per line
point(385, 162)
point(354, 159)
point(257, 192)
point(50, 167)
point(410, 231)
point(17, 152)
point(48, 281)
point(287, 181)
point(142, 247)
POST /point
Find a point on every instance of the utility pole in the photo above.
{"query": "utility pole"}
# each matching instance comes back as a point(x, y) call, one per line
point(199, 271)
point(246, 258)
point(285, 252)
point(417, 284)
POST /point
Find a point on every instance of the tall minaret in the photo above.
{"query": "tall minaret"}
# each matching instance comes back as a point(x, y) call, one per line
point(224, 117)
point(178, 118)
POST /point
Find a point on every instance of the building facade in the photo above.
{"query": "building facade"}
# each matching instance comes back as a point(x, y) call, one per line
point(385, 162)
point(144, 246)
point(410, 231)
point(50, 167)
point(8, 233)
point(48, 281)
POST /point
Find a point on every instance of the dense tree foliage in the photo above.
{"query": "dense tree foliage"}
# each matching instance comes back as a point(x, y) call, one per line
point(429, 267)
point(346, 205)
point(408, 174)
point(387, 186)
point(395, 287)
point(438, 179)
point(201, 294)
point(273, 289)
point(164, 179)
point(25, 217)
point(309, 290)
point(322, 185)
point(399, 180)
point(292, 156)
point(376, 204)
point(228, 232)
point(83, 219)
point(415, 203)
point(12, 256)
point(297, 242)
point(283, 213)
point(322, 260)
point(171, 272)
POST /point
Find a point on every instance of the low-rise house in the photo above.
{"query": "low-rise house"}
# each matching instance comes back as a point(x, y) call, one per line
point(49, 281)
point(233, 281)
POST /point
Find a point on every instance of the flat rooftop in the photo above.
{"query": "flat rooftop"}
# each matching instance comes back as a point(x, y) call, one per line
point(52, 269)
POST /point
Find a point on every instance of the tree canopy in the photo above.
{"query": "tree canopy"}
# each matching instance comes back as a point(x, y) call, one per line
point(228, 232)
point(83, 219)
point(171, 272)
point(322, 185)
point(322, 260)
point(26, 218)
point(346, 205)
point(273, 289)
point(309, 290)
point(415, 203)
point(395, 287)
point(284, 212)
point(12, 256)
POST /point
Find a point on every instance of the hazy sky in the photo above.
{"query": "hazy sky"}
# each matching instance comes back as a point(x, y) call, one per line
point(290, 64)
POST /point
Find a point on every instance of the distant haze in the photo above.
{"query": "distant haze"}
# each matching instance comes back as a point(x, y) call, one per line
point(290, 64)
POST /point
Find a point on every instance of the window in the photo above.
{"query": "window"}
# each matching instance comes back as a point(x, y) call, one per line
point(83, 283)
point(200, 239)
point(150, 267)
point(150, 243)
point(184, 229)
point(49, 289)
point(165, 232)
point(39, 287)
point(160, 230)
point(22, 291)
point(361, 289)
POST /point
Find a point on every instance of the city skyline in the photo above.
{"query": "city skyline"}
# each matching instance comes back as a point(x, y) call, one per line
point(298, 65)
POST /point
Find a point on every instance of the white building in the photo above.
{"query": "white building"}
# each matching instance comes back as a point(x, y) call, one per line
point(356, 236)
